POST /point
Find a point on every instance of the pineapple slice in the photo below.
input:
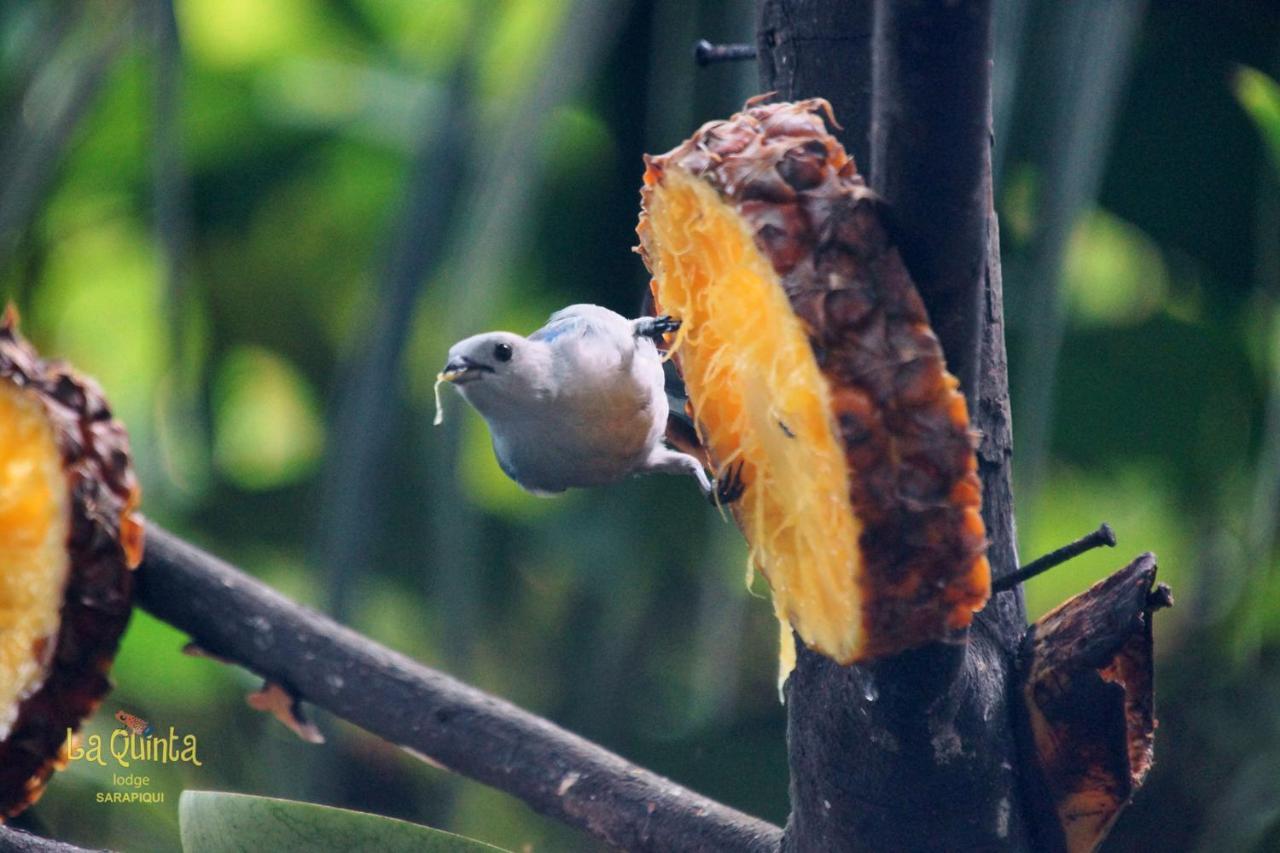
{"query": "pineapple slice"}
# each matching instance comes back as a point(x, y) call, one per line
point(808, 358)
point(68, 537)
point(34, 521)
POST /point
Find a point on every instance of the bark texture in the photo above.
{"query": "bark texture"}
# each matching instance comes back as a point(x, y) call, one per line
point(820, 46)
point(916, 752)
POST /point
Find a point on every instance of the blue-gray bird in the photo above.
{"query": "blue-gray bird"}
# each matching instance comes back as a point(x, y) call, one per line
point(580, 402)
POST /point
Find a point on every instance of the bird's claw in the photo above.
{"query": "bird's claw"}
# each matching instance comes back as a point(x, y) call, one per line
point(728, 487)
point(656, 327)
point(666, 323)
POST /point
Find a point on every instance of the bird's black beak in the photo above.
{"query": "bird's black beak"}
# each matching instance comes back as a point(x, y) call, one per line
point(462, 370)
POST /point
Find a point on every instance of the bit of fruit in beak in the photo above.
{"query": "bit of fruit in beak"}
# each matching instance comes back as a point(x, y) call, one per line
point(460, 371)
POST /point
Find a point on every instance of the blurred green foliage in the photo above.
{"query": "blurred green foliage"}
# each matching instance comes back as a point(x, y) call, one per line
point(227, 333)
point(1260, 95)
point(266, 427)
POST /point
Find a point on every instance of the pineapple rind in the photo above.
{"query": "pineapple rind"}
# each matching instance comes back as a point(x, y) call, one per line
point(796, 219)
point(82, 514)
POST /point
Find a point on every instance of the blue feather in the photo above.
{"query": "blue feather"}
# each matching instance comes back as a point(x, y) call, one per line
point(563, 327)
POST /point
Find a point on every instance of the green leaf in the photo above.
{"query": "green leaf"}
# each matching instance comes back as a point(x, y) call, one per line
point(1260, 97)
point(1114, 274)
point(267, 426)
point(220, 822)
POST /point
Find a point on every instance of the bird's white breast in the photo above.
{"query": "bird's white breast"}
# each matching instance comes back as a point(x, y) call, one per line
point(608, 410)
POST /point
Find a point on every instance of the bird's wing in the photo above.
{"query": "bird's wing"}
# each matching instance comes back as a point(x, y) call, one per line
point(580, 320)
point(560, 327)
point(588, 332)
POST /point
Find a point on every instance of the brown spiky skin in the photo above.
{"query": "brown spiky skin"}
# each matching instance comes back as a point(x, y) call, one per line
point(904, 424)
point(104, 544)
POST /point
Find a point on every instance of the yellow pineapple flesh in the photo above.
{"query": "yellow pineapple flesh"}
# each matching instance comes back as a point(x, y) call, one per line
point(808, 360)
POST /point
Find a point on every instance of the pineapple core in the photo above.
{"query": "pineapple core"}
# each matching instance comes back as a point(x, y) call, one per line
point(762, 399)
point(34, 523)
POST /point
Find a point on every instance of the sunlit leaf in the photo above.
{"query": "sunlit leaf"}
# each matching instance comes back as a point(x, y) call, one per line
point(577, 140)
point(238, 33)
point(313, 92)
point(375, 103)
point(102, 300)
point(216, 822)
point(517, 43)
point(1113, 274)
point(223, 130)
point(267, 426)
point(1140, 507)
point(1260, 96)
point(430, 35)
point(119, 122)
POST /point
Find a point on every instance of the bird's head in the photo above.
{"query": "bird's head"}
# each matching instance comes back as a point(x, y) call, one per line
point(496, 368)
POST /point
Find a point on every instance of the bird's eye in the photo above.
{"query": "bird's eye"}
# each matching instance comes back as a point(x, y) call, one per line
point(502, 352)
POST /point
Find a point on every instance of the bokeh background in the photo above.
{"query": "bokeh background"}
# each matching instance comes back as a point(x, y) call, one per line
point(260, 223)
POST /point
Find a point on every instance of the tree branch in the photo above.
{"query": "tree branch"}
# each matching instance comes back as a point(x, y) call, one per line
point(428, 713)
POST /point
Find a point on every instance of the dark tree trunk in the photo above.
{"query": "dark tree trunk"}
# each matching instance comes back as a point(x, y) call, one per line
point(817, 47)
point(916, 752)
point(1017, 739)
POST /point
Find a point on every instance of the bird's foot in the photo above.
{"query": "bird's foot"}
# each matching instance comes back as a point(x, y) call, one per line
point(656, 327)
point(728, 487)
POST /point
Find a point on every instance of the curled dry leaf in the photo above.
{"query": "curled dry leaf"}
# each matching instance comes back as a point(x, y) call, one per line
point(69, 536)
point(808, 357)
point(195, 650)
point(286, 708)
point(1089, 707)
